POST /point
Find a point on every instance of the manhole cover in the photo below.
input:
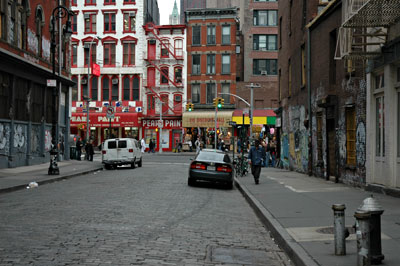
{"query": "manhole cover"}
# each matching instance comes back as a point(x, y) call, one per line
point(329, 230)
point(240, 256)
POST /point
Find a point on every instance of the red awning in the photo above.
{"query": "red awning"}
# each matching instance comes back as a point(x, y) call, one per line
point(100, 120)
point(257, 113)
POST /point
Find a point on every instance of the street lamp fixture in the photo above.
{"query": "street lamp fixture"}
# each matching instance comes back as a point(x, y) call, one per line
point(59, 13)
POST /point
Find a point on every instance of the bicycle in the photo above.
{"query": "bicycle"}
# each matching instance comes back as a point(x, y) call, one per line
point(241, 166)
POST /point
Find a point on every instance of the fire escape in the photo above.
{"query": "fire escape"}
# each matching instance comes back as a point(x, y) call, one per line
point(364, 29)
point(153, 62)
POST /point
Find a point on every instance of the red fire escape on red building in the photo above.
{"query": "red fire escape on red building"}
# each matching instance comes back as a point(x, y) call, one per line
point(173, 79)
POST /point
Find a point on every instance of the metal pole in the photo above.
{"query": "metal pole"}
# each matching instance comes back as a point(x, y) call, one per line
point(216, 117)
point(88, 92)
point(339, 228)
point(252, 86)
point(160, 140)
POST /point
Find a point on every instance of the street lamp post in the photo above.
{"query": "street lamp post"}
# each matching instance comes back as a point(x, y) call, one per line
point(252, 86)
point(59, 13)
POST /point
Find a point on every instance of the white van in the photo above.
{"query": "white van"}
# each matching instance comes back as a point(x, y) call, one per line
point(122, 151)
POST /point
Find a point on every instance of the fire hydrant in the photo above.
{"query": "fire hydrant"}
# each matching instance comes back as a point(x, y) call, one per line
point(372, 206)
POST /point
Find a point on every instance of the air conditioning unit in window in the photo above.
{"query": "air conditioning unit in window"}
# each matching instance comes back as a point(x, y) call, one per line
point(178, 98)
point(264, 73)
point(114, 81)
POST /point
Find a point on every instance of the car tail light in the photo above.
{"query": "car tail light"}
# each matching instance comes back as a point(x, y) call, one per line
point(224, 168)
point(198, 166)
point(103, 151)
point(130, 150)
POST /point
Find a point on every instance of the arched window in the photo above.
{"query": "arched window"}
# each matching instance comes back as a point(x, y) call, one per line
point(126, 88)
point(75, 88)
point(114, 92)
point(135, 88)
point(3, 12)
point(22, 20)
point(39, 21)
point(106, 88)
point(94, 88)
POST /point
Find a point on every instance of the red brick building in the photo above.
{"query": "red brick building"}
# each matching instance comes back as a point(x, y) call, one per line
point(27, 104)
point(211, 53)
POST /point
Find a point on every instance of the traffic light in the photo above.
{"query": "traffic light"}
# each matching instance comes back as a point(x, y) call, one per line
point(222, 101)
point(189, 107)
point(219, 105)
point(215, 101)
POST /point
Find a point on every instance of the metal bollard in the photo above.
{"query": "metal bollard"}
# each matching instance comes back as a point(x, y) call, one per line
point(363, 240)
point(371, 205)
point(339, 228)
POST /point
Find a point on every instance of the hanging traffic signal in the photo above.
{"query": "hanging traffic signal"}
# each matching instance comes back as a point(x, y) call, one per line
point(189, 107)
point(219, 103)
point(215, 101)
point(222, 102)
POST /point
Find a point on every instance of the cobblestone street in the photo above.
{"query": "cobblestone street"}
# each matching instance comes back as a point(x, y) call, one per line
point(142, 216)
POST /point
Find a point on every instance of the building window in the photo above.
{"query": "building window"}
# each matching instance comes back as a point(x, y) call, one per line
point(265, 42)
point(90, 23)
point(211, 64)
point(74, 54)
point(126, 88)
point(74, 24)
point(379, 81)
point(164, 105)
point(2, 20)
point(196, 37)
point(265, 17)
point(94, 88)
point(106, 88)
point(210, 93)
point(74, 88)
point(22, 23)
point(109, 2)
point(129, 53)
point(114, 88)
point(84, 87)
point(109, 22)
point(303, 66)
point(73, 2)
point(196, 65)
point(211, 35)
point(226, 88)
point(351, 136)
point(380, 126)
point(129, 21)
point(90, 2)
point(226, 64)
point(164, 49)
point(289, 78)
point(178, 47)
point(226, 34)
point(265, 66)
point(195, 93)
point(319, 137)
point(129, 2)
point(39, 21)
point(109, 54)
point(135, 88)
point(164, 75)
point(178, 75)
point(93, 50)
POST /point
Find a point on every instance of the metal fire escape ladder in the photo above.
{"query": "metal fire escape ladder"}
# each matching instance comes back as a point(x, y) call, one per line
point(170, 78)
point(159, 97)
point(150, 27)
point(364, 29)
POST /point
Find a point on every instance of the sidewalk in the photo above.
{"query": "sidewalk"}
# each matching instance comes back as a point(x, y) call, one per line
point(12, 179)
point(297, 209)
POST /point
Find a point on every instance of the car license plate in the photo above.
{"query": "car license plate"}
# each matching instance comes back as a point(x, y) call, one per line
point(211, 168)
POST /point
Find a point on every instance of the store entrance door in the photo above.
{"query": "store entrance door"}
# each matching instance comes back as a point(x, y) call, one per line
point(176, 138)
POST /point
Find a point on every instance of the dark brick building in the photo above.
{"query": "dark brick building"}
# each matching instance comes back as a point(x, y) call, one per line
point(26, 103)
point(190, 4)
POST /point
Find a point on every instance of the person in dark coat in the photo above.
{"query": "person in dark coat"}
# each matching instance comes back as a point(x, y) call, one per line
point(257, 157)
point(90, 151)
point(79, 148)
point(151, 146)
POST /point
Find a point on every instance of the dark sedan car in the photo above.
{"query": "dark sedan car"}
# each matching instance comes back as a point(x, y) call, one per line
point(212, 166)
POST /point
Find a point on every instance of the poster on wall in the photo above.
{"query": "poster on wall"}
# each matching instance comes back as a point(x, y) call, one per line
point(165, 139)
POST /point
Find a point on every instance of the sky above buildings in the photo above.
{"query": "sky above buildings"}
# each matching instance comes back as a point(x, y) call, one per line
point(165, 7)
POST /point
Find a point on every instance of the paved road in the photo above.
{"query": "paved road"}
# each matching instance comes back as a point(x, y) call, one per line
point(142, 216)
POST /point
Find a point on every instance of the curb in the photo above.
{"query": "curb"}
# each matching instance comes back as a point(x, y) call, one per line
point(294, 250)
point(48, 181)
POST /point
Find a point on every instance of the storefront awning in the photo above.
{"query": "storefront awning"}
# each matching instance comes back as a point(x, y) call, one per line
point(261, 117)
point(206, 119)
point(100, 120)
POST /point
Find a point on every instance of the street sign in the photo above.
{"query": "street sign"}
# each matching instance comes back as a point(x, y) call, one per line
point(51, 83)
point(96, 70)
point(110, 112)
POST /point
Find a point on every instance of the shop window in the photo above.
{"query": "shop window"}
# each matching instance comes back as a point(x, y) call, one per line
point(351, 136)
point(196, 64)
point(90, 22)
point(129, 21)
point(129, 53)
point(195, 93)
point(210, 93)
point(196, 35)
point(109, 54)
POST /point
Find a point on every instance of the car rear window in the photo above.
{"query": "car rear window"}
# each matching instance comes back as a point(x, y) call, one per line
point(112, 144)
point(212, 156)
point(122, 144)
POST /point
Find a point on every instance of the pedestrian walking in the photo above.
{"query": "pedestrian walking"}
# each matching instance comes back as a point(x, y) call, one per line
point(142, 145)
point(198, 145)
point(256, 158)
point(151, 146)
point(78, 148)
point(190, 146)
point(90, 151)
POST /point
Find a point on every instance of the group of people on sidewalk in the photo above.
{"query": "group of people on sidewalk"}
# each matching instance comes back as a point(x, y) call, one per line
point(89, 150)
